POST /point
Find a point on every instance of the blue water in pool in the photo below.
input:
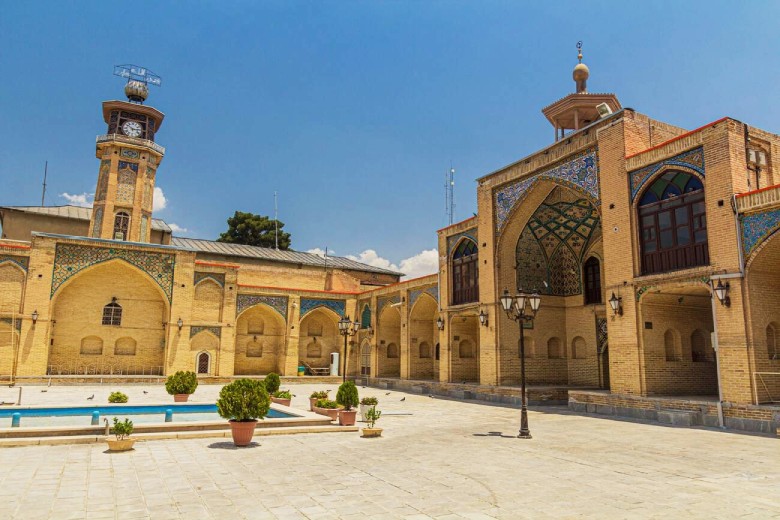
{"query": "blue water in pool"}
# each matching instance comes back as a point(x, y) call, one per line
point(125, 411)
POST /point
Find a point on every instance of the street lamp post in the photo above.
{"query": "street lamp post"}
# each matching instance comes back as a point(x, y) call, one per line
point(516, 308)
point(347, 329)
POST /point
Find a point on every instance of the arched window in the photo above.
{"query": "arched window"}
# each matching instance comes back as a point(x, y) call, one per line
point(392, 351)
point(530, 347)
point(121, 225)
point(91, 346)
point(673, 223)
point(554, 350)
point(203, 363)
point(466, 349)
point(365, 359)
point(365, 318)
point(771, 341)
point(465, 273)
point(425, 350)
point(578, 348)
point(699, 350)
point(672, 346)
point(438, 351)
point(592, 272)
point(125, 347)
point(112, 313)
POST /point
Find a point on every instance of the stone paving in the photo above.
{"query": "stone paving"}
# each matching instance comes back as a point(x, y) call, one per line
point(437, 459)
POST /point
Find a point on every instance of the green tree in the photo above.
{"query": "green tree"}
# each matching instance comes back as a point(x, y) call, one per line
point(254, 230)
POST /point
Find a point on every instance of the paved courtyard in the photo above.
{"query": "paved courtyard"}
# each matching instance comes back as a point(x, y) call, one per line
point(437, 459)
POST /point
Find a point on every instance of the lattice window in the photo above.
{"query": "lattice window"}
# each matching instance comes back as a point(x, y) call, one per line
point(112, 314)
point(601, 334)
point(564, 273)
point(673, 223)
point(121, 225)
point(365, 318)
point(531, 262)
point(365, 359)
point(465, 273)
point(204, 360)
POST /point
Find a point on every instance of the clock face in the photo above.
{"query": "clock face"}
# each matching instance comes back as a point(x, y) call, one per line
point(132, 129)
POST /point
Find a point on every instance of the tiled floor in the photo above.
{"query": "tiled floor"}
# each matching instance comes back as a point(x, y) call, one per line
point(436, 459)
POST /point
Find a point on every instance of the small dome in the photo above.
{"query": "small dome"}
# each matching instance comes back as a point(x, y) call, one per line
point(581, 72)
point(136, 91)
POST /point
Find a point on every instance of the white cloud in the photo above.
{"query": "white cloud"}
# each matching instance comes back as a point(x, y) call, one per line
point(321, 252)
point(421, 264)
point(176, 228)
point(159, 201)
point(370, 257)
point(84, 199)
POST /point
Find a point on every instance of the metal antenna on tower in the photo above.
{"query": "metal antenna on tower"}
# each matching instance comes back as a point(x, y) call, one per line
point(276, 223)
point(449, 194)
point(45, 173)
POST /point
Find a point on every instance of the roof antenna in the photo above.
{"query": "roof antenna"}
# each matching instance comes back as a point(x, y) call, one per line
point(449, 194)
point(276, 223)
point(45, 173)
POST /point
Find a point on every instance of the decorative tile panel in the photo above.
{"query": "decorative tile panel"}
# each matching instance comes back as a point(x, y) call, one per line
point(693, 159)
point(245, 301)
point(125, 189)
point(21, 261)
point(337, 306)
point(147, 200)
point(194, 331)
point(98, 217)
point(128, 165)
point(602, 340)
point(382, 302)
point(102, 185)
point(416, 293)
point(579, 173)
point(757, 227)
point(70, 259)
point(144, 225)
point(453, 240)
point(129, 153)
point(217, 277)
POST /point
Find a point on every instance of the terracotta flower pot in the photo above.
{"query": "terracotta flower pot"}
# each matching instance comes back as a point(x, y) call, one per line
point(347, 417)
point(333, 413)
point(312, 402)
point(180, 398)
point(371, 432)
point(242, 431)
point(123, 445)
point(279, 400)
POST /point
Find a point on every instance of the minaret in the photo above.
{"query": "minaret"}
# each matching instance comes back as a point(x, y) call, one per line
point(578, 110)
point(129, 159)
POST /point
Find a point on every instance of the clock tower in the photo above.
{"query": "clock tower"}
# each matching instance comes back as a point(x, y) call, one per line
point(129, 159)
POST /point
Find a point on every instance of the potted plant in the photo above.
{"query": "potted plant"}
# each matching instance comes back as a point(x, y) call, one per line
point(282, 397)
point(316, 396)
point(122, 431)
point(180, 385)
point(365, 405)
point(372, 416)
point(243, 402)
point(347, 396)
point(117, 397)
point(272, 383)
point(327, 407)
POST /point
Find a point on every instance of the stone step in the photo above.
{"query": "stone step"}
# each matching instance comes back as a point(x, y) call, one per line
point(680, 417)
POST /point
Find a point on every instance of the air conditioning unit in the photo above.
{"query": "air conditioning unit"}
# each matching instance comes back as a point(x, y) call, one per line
point(603, 110)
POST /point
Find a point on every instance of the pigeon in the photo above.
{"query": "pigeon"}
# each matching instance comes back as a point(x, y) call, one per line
point(146, 392)
point(91, 397)
point(44, 390)
point(430, 395)
point(11, 385)
point(463, 383)
point(403, 399)
point(387, 393)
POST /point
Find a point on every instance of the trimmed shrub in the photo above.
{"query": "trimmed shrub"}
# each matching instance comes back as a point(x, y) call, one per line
point(283, 394)
point(321, 394)
point(327, 403)
point(123, 429)
point(347, 396)
point(243, 400)
point(181, 383)
point(369, 401)
point(272, 382)
point(117, 397)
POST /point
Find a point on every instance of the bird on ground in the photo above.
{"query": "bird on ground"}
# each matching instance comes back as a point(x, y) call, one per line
point(146, 392)
point(387, 393)
point(91, 397)
point(403, 399)
point(431, 396)
point(11, 385)
point(463, 383)
point(44, 390)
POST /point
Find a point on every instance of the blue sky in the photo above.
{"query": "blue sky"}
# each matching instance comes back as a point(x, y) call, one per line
point(352, 111)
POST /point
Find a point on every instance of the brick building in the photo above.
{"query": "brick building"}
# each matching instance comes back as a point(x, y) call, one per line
point(624, 225)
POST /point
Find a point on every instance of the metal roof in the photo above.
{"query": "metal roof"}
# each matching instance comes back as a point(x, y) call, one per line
point(266, 253)
point(77, 213)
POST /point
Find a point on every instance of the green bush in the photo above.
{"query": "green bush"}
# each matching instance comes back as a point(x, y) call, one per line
point(117, 397)
point(369, 401)
point(327, 403)
point(347, 395)
point(243, 400)
point(283, 394)
point(372, 416)
point(272, 382)
point(122, 429)
point(181, 383)
point(321, 394)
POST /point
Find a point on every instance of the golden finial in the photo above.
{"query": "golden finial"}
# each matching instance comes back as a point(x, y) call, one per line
point(579, 51)
point(581, 72)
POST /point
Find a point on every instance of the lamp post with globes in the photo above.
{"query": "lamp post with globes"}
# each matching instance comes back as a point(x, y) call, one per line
point(522, 308)
point(347, 328)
